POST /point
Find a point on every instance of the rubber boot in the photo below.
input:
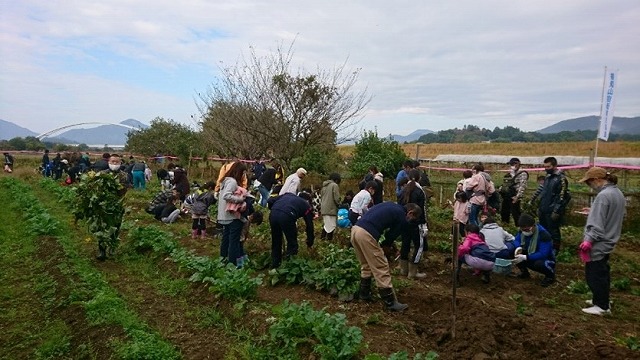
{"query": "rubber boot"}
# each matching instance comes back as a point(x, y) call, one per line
point(203, 234)
point(194, 233)
point(323, 236)
point(365, 289)
point(486, 276)
point(404, 267)
point(330, 236)
point(390, 300)
point(413, 272)
point(102, 253)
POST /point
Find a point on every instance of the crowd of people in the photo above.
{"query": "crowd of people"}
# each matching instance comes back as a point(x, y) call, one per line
point(374, 224)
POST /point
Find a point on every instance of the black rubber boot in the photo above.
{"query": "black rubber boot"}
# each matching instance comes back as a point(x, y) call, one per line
point(486, 276)
point(390, 300)
point(323, 236)
point(102, 253)
point(330, 236)
point(365, 289)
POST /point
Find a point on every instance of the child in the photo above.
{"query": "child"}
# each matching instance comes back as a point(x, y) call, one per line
point(362, 200)
point(474, 252)
point(499, 241)
point(201, 200)
point(346, 201)
point(460, 212)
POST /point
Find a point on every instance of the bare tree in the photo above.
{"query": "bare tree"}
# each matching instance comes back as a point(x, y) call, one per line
point(258, 107)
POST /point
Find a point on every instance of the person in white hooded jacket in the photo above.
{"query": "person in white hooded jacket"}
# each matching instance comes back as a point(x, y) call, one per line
point(498, 239)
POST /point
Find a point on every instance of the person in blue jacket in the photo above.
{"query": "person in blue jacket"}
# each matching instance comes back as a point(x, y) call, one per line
point(285, 210)
point(366, 235)
point(534, 250)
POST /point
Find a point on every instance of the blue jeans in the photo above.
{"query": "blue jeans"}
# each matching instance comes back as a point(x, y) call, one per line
point(230, 246)
point(264, 195)
point(474, 213)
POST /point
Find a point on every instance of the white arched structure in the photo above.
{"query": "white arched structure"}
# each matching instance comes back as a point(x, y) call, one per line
point(50, 132)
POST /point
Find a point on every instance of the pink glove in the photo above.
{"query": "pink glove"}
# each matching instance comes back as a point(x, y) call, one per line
point(585, 251)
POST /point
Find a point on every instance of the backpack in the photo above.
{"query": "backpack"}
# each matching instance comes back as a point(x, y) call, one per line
point(343, 218)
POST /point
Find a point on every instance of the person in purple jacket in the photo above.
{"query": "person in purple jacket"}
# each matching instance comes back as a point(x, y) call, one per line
point(534, 250)
point(366, 237)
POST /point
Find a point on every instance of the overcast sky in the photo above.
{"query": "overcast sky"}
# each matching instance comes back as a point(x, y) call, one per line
point(427, 64)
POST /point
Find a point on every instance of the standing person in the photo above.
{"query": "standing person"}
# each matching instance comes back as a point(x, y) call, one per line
point(285, 210)
point(266, 180)
point(292, 183)
point(100, 201)
point(360, 203)
point(8, 162)
point(460, 213)
point(406, 166)
point(137, 173)
point(365, 235)
point(223, 171)
point(57, 167)
point(258, 168)
point(554, 197)
point(513, 192)
point(601, 234)
point(476, 190)
point(534, 250)
point(230, 247)
point(202, 199)
point(46, 164)
point(148, 174)
point(416, 233)
point(329, 203)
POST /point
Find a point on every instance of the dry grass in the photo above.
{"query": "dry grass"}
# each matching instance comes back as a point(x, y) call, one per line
point(605, 149)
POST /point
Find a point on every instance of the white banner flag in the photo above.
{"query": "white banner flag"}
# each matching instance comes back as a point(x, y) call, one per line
point(608, 102)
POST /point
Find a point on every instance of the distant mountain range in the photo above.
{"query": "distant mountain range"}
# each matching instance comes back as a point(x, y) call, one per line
point(100, 135)
point(117, 135)
point(619, 125)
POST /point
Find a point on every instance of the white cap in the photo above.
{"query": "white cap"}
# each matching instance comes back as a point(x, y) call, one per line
point(301, 171)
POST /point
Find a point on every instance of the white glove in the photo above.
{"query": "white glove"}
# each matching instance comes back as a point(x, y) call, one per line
point(518, 251)
point(519, 258)
point(215, 195)
point(423, 229)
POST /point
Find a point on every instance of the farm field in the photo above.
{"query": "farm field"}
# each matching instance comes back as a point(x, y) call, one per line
point(164, 296)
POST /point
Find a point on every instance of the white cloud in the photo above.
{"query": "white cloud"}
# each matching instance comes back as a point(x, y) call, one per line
point(427, 65)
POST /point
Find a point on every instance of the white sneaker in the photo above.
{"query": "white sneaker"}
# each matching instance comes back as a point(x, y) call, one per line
point(590, 302)
point(596, 310)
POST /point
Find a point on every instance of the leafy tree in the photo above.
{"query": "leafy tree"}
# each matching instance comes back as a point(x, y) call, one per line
point(318, 160)
point(163, 136)
point(261, 107)
point(385, 154)
point(18, 143)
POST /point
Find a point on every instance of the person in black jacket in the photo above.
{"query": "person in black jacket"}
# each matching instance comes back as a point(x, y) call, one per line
point(8, 162)
point(285, 210)
point(266, 180)
point(554, 196)
point(416, 233)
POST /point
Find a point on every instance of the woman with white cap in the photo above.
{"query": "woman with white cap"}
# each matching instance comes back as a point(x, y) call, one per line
point(601, 234)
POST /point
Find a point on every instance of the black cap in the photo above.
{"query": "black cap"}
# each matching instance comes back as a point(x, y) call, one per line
point(513, 161)
point(526, 220)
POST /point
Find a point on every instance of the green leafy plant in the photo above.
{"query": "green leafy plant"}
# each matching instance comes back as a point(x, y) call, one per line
point(577, 287)
point(300, 328)
point(623, 284)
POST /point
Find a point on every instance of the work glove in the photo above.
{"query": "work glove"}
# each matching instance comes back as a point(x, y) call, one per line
point(585, 250)
point(423, 229)
point(215, 195)
point(517, 251)
point(519, 258)
point(555, 216)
